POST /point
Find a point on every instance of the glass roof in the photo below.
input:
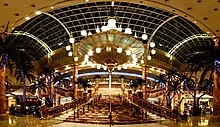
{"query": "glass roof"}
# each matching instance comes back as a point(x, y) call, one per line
point(51, 29)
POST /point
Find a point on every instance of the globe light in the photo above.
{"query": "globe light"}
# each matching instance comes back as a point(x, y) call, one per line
point(98, 50)
point(98, 66)
point(144, 36)
point(119, 50)
point(90, 33)
point(119, 68)
point(70, 53)
point(133, 56)
point(72, 40)
point(90, 53)
point(128, 30)
point(76, 58)
point(112, 23)
point(152, 44)
point(125, 66)
point(68, 47)
point(142, 61)
point(104, 28)
point(128, 52)
point(83, 33)
point(153, 51)
point(149, 57)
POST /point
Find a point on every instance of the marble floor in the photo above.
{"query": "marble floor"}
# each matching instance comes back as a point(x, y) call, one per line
point(32, 121)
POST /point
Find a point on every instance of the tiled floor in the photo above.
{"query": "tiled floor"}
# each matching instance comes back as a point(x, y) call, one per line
point(31, 121)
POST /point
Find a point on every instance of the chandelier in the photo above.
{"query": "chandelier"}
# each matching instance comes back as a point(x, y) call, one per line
point(109, 47)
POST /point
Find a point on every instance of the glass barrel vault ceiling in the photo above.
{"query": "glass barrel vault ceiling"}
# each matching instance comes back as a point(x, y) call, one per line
point(170, 32)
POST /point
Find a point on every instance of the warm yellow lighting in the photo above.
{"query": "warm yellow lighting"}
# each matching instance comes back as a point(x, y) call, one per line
point(90, 53)
point(76, 58)
point(153, 51)
point(68, 47)
point(148, 57)
point(108, 49)
point(119, 68)
point(152, 44)
point(98, 50)
point(98, 66)
point(27, 18)
point(72, 40)
point(142, 61)
point(119, 50)
point(128, 52)
point(83, 33)
point(133, 56)
point(70, 53)
point(125, 66)
point(38, 12)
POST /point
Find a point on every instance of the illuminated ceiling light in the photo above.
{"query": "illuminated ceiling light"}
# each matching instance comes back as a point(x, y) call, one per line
point(52, 7)
point(119, 68)
point(152, 69)
point(135, 35)
point(108, 49)
point(125, 66)
point(113, 3)
point(98, 50)
point(86, 57)
point(27, 18)
point(56, 71)
point(104, 68)
point(70, 53)
point(90, 33)
point(98, 66)
point(134, 62)
point(90, 53)
point(83, 33)
point(112, 23)
point(60, 43)
point(153, 51)
point(68, 47)
point(119, 50)
point(148, 57)
point(89, 63)
point(67, 67)
point(87, 0)
point(144, 36)
point(157, 70)
point(93, 65)
point(84, 62)
point(195, 22)
point(104, 28)
point(12, 28)
point(128, 30)
point(133, 56)
point(152, 44)
point(38, 12)
point(135, 59)
point(76, 58)
point(97, 29)
point(128, 52)
point(142, 61)
point(119, 28)
point(168, 55)
point(72, 40)
point(207, 32)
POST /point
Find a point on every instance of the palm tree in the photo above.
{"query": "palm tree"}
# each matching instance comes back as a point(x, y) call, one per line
point(5, 49)
point(169, 85)
point(207, 60)
point(24, 69)
point(48, 74)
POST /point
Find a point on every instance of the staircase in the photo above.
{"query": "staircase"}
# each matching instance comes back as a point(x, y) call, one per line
point(99, 113)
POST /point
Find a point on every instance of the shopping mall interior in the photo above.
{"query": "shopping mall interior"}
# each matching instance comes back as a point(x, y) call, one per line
point(109, 63)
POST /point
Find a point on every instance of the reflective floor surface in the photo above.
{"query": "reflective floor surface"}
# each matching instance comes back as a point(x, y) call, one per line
point(32, 121)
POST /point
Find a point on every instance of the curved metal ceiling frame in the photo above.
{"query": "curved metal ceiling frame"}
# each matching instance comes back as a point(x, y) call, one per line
point(89, 15)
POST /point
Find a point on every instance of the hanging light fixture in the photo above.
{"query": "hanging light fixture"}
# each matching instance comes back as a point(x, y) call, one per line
point(98, 50)
point(83, 32)
point(97, 29)
point(70, 53)
point(152, 44)
point(148, 57)
point(135, 35)
point(128, 30)
point(119, 50)
point(72, 40)
point(68, 47)
point(76, 58)
point(153, 51)
point(128, 52)
point(144, 36)
point(142, 61)
point(90, 33)
point(90, 53)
